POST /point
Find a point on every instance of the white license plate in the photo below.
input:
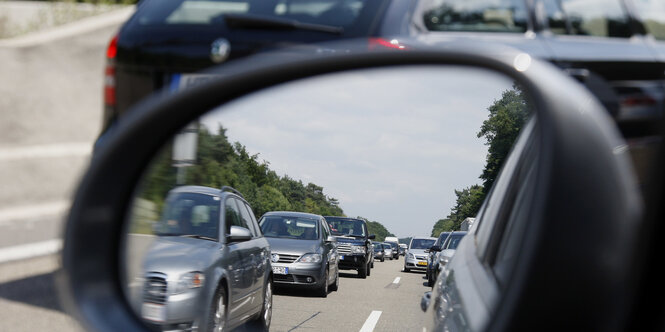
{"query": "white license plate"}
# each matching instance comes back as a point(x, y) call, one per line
point(154, 312)
point(280, 270)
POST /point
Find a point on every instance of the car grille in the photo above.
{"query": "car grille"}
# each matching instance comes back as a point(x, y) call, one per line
point(292, 278)
point(421, 258)
point(154, 288)
point(284, 258)
point(344, 249)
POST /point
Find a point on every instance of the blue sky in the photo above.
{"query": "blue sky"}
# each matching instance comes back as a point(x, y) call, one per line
point(391, 145)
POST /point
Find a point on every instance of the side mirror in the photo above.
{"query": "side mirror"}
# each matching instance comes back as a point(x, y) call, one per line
point(239, 234)
point(435, 248)
point(331, 239)
point(372, 236)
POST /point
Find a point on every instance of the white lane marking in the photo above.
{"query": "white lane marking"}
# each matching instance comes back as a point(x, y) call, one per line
point(30, 250)
point(33, 211)
point(396, 281)
point(81, 26)
point(371, 321)
point(71, 149)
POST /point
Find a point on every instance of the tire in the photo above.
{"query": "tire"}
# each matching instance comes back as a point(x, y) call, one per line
point(369, 269)
point(262, 322)
point(430, 282)
point(335, 286)
point(218, 311)
point(323, 290)
point(372, 264)
point(383, 259)
point(362, 271)
point(406, 269)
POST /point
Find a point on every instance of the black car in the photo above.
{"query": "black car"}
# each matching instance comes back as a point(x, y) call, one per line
point(353, 244)
point(378, 251)
point(165, 41)
point(603, 44)
point(433, 259)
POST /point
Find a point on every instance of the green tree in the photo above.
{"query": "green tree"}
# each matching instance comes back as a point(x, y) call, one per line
point(442, 225)
point(506, 118)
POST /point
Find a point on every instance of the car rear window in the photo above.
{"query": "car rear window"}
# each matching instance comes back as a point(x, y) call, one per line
point(652, 13)
point(601, 18)
point(477, 15)
point(290, 227)
point(341, 13)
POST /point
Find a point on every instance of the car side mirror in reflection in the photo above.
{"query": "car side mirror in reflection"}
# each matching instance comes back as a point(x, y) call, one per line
point(435, 248)
point(239, 234)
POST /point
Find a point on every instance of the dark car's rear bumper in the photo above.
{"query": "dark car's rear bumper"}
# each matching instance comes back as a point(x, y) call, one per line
point(351, 262)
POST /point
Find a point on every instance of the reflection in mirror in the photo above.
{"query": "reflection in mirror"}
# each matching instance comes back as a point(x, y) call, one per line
point(412, 149)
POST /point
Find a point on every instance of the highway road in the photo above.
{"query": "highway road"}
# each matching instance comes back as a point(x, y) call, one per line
point(388, 300)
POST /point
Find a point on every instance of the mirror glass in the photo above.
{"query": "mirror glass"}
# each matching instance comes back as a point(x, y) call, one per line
point(412, 150)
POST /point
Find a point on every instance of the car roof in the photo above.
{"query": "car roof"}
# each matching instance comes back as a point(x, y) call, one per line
point(292, 214)
point(197, 189)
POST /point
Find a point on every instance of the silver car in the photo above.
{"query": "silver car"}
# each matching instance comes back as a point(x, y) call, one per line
point(416, 255)
point(208, 267)
point(304, 253)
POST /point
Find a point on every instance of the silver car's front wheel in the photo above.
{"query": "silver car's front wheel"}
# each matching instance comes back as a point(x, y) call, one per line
point(267, 305)
point(218, 312)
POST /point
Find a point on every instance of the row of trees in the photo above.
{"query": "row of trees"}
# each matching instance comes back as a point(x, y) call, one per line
point(220, 163)
point(506, 118)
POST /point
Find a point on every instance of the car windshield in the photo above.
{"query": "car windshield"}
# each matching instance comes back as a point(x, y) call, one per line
point(346, 226)
point(290, 227)
point(652, 13)
point(339, 13)
point(422, 243)
point(477, 15)
point(387, 246)
point(441, 239)
point(453, 241)
point(190, 215)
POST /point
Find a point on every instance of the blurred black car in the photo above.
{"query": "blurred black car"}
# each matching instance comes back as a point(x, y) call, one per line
point(167, 40)
point(604, 44)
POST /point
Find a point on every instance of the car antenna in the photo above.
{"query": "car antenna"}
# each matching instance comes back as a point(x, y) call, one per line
point(233, 190)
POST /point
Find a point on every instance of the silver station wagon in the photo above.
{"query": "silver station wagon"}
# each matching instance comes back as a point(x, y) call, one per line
point(303, 251)
point(208, 267)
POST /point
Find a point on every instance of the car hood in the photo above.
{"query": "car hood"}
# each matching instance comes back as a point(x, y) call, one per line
point(293, 246)
point(417, 252)
point(447, 253)
point(350, 240)
point(177, 254)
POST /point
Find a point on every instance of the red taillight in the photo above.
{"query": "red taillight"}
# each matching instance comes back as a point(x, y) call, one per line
point(109, 85)
point(375, 43)
point(638, 101)
point(109, 72)
point(112, 50)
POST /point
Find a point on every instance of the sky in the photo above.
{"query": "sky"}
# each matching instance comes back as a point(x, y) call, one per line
point(390, 145)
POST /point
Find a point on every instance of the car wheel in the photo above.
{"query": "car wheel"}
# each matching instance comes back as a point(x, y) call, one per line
point(369, 269)
point(262, 322)
point(362, 271)
point(335, 286)
point(217, 316)
point(323, 290)
point(383, 259)
point(372, 266)
point(430, 282)
point(406, 269)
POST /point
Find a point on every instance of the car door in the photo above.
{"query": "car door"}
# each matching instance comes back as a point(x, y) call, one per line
point(330, 250)
point(239, 290)
point(256, 251)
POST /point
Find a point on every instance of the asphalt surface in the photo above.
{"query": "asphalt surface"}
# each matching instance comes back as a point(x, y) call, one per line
point(50, 113)
point(395, 301)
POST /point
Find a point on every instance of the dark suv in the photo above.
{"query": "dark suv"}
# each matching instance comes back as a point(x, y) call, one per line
point(433, 257)
point(354, 244)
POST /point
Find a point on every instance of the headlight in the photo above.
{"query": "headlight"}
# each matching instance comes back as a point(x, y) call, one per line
point(411, 256)
point(358, 249)
point(310, 258)
point(189, 281)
